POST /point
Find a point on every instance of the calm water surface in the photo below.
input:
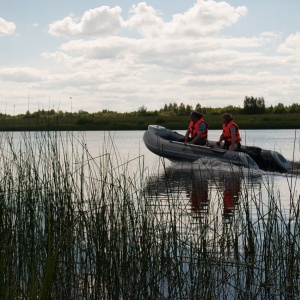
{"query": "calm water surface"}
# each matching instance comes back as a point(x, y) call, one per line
point(192, 180)
point(130, 143)
point(205, 179)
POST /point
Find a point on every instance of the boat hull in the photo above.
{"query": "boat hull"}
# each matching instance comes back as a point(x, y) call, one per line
point(165, 143)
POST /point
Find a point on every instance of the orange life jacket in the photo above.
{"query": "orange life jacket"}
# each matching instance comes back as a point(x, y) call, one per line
point(194, 128)
point(227, 134)
point(228, 199)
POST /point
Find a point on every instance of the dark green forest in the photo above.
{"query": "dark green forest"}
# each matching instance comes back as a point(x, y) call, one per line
point(253, 115)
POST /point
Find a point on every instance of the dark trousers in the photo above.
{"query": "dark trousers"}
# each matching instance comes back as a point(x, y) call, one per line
point(201, 142)
point(227, 144)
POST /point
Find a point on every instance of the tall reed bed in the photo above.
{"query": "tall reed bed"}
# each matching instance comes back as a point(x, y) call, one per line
point(75, 226)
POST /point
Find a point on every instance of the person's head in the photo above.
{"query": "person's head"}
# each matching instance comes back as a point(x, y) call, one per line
point(226, 118)
point(195, 116)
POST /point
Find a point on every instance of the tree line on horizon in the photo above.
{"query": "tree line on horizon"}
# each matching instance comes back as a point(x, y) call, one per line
point(252, 105)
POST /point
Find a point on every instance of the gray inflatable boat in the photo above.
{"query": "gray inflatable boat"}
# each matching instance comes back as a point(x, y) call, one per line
point(166, 143)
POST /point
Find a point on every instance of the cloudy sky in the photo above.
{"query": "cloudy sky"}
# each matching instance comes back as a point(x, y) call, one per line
point(119, 55)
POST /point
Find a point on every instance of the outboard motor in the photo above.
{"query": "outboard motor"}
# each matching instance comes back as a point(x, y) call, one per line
point(268, 160)
point(274, 161)
point(255, 153)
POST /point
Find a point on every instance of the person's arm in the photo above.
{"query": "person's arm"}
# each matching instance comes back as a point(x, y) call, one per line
point(232, 146)
point(196, 138)
point(221, 139)
point(187, 134)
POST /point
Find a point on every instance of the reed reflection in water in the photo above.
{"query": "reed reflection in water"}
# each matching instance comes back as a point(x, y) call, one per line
point(199, 197)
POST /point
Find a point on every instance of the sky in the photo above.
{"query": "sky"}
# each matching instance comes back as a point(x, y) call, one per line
point(121, 55)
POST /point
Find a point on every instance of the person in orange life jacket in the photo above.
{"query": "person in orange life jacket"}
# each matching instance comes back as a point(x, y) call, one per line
point(197, 130)
point(231, 134)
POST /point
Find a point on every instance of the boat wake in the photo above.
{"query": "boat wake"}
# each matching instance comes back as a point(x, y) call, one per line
point(214, 167)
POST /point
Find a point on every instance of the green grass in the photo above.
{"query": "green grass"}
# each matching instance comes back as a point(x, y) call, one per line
point(80, 227)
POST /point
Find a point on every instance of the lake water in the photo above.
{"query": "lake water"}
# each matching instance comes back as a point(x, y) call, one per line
point(191, 180)
point(237, 228)
point(195, 184)
point(127, 148)
point(130, 143)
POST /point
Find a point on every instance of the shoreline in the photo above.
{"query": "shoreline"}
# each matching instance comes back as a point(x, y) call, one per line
point(126, 123)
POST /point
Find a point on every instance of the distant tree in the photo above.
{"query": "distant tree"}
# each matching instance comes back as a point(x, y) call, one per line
point(279, 109)
point(207, 110)
point(198, 107)
point(294, 108)
point(173, 107)
point(82, 112)
point(270, 109)
point(181, 109)
point(188, 109)
point(254, 105)
point(52, 112)
point(261, 107)
point(109, 113)
point(230, 109)
point(36, 114)
point(142, 110)
point(28, 114)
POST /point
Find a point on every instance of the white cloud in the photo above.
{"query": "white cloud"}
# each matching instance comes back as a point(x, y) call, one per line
point(99, 21)
point(186, 33)
point(145, 19)
point(58, 56)
point(100, 48)
point(21, 74)
point(290, 50)
point(6, 28)
point(291, 45)
point(184, 59)
point(205, 18)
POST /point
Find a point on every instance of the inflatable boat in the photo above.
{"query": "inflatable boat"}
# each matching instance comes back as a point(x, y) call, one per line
point(167, 143)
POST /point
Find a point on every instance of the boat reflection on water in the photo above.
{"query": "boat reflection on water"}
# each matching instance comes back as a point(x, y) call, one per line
point(201, 203)
point(218, 222)
point(200, 191)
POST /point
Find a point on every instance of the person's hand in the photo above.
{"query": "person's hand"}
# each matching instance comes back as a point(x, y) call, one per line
point(231, 147)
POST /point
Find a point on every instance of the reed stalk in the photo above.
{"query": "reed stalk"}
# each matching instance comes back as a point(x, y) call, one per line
point(74, 226)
